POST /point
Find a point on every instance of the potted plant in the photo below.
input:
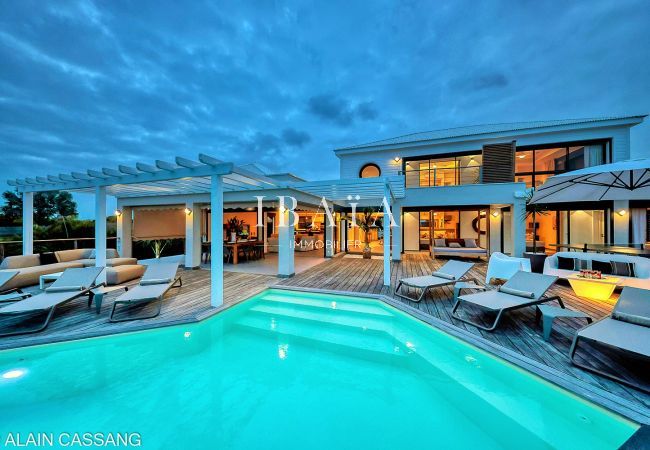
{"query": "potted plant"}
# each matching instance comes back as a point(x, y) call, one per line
point(532, 210)
point(368, 221)
point(158, 247)
point(234, 227)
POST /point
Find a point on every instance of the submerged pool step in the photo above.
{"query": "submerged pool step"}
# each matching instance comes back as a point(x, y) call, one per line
point(326, 317)
point(314, 332)
point(368, 307)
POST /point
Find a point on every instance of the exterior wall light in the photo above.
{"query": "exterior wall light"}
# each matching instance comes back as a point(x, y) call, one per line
point(495, 213)
point(188, 211)
point(397, 159)
point(118, 212)
point(621, 212)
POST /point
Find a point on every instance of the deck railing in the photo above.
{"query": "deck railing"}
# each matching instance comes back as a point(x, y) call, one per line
point(11, 248)
point(449, 176)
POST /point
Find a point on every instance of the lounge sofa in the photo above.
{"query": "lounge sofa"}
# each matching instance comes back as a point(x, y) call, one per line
point(31, 267)
point(584, 260)
point(463, 248)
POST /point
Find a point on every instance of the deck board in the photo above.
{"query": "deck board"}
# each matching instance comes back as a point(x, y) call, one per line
point(518, 332)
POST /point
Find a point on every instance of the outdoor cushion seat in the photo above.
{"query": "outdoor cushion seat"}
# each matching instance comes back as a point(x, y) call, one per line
point(29, 276)
point(122, 274)
point(112, 262)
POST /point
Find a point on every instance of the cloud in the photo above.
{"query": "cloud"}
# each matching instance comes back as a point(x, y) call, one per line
point(342, 112)
point(295, 138)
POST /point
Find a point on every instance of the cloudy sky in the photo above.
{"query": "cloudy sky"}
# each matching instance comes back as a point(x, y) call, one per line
point(88, 84)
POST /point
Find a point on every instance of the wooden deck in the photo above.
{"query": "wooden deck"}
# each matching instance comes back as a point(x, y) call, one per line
point(518, 331)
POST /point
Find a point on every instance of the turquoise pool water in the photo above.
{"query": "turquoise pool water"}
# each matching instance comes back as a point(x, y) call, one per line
point(289, 370)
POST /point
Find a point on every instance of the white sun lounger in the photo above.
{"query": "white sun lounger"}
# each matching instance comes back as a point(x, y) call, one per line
point(450, 273)
point(156, 281)
point(10, 295)
point(73, 283)
point(521, 290)
point(627, 329)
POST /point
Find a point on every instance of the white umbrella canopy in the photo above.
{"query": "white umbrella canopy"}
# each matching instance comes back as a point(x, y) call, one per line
point(623, 180)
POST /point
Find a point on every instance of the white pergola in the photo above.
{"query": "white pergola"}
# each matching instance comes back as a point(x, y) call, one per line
point(207, 175)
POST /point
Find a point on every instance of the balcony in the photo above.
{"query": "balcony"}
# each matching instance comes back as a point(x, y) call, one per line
point(448, 176)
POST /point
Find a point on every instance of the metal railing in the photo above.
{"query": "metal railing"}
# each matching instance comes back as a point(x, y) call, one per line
point(451, 176)
point(12, 248)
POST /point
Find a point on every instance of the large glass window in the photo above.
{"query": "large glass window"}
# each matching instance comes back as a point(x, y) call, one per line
point(534, 166)
point(445, 171)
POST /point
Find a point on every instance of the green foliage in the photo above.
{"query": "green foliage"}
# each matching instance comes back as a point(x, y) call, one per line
point(367, 220)
point(235, 225)
point(48, 208)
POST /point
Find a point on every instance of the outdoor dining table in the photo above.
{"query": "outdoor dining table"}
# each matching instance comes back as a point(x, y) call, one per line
point(235, 246)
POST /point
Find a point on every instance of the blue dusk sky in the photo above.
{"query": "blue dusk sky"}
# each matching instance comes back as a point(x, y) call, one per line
point(88, 84)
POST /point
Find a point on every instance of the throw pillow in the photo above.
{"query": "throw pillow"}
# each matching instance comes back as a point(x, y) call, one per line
point(439, 243)
point(566, 263)
point(623, 269)
point(48, 258)
point(605, 267)
point(454, 245)
point(470, 243)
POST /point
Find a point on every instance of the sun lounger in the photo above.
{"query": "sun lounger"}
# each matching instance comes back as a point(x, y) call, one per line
point(73, 283)
point(627, 329)
point(10, 295)
point(521, 290)
point(450, 273)
point(156, 281)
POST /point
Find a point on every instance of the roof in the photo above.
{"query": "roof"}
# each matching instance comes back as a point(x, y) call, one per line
point(473, 130)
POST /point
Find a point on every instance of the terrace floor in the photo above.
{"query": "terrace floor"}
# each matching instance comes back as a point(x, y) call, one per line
point(518, 331)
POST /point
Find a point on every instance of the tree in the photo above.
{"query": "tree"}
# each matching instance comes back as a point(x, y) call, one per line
point(48, 207)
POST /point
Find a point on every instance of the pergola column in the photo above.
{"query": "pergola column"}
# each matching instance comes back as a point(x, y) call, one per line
point(397, 236)
point(286, 244)
point(100, 229)
point(125, 232)
point(216, 241)
point(386, 223)
point(518, 226)
point(28, 223)
point(192, 235)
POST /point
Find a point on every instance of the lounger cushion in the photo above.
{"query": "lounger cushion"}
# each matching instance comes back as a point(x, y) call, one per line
point(29, 276)
point(20, 261)
point(626, 336)
point(517, 292)
point(122, 274)
point(112, 262)
point(439, 243)
point(443, 275)
point(495, 300)
point(72, 255)
point(152, 281)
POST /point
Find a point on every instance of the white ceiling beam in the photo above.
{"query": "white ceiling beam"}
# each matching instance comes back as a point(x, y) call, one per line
point(80, 176)
point(184, 162)
point(163, 165)
point(96, 174)
point(146, 168)
point(209, 160)
point(42, 180)
point(128, 170)
point(111, 172)
point(67, 177)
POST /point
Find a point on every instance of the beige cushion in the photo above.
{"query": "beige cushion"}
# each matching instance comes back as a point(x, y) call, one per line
point(72, 255)
point(20, 261)
point(28, 276)
point(122, 274)
point(110, 253)
point(87, 262)
point(121, 262)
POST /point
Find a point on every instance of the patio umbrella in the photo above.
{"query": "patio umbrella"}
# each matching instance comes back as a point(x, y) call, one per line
point(623, 180)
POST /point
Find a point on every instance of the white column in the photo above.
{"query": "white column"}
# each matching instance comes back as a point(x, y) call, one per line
point(192, 235)
point(28, 223)
point(495, 229)
point(100, 230)
point(286, 245)
point(397, 233)
point(621, 222)
point(216, 245)
point(125, 232)
point(386, 223)
point(518, 229)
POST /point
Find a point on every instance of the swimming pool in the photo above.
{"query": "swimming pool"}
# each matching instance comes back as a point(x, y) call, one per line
point(294, 370)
